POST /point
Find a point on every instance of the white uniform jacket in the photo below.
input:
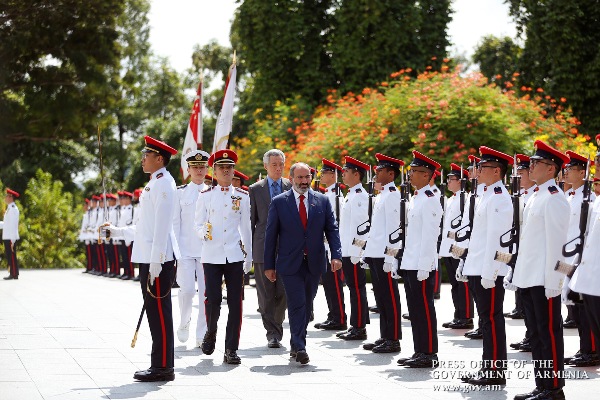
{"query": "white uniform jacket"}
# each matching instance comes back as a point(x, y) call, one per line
point(354, 211)
point(586, 279)
point(152, 239)
point(10, 225)
point(184, 213)
point(330, 194)
point(384, 221)
point(451, 212)
point(422, 231)
point(493, 218)
point(544, 232)
point(228, 211)
point(83, 231)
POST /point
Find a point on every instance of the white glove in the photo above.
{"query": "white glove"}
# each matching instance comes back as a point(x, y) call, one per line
point(550, 293)
point(203, 232)
point(565, 292)
point(155, 270)
point(115, 232)
point(247, 266)
point(87, 241)
point(388, 267)
point(363, 264)
point(487, 283)
point(354, 260)
point(422, 275)
point(459, 275)
point(507, 282)
point(395, 275)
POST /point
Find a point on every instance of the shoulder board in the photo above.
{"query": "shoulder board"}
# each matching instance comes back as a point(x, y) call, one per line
point(552, 189)
point(240, 190)
point(498, 190)
point(208, 190)
point(358, 190)
point(429, 193)
point(392, 188)
point(159, 175)
point(182, 186)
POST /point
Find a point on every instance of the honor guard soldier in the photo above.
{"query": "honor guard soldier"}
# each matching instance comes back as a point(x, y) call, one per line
point(455, 205)
point(93, 234)
point(102, 218)
point(575, 175)
point(189, 267)
point(355, 211)
point(493, 217)
point(545, 225)
point(10, 233)
point(222, 221)
point(420, 260)
point(384, 268)
point(125, 220)
point(83, 235)
point(155, 249)
point(333, 283)
point(137, 194)
point(239, 179)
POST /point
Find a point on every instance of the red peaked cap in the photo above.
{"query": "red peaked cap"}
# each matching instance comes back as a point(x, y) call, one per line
point(522, 161)
point(596, 180)
point(95, 197)
point(598, 139)
point(87, 201)
point(353, 163)
point(240, 175)
point(111, 196)
point(472, 159)
point(421, 160)
point(313, 172)
point(576, 159)
point(125, 194)
point(12, 193)
point(546, 152)
point(137, 193)
point(223, 157)
point(489, 154)
point(330, 166)
point(455, 170)
point(207, 176)
point(156, 146)
point(436, 173)
point(246, 188)
point(384, 161)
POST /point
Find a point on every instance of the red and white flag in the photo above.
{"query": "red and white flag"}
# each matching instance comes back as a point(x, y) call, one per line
point(193, 137)
point(225, 120)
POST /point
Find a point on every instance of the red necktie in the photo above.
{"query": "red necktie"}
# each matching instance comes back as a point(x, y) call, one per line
point(302, 210)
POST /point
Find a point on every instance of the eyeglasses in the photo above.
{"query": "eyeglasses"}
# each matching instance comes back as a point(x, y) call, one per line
point(567, 169)
point(412, 171)
point(534, 162)
point(450, 179)
point(480, 167)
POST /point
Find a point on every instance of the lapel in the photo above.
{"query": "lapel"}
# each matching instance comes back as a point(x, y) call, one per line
point(291, 200)
point(312, 208)
point(266, 193)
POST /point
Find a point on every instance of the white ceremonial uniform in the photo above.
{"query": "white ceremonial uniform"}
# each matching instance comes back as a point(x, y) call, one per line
point(354, 211)
point(586, 279)
point(451, 212)
point(544, 232)
point(114, 214)
point(575, 198)
point(384, 221)
point(527, 193)
point(423, 225)
point(228, 210)
point(493, 218)
point(125, 216)
point(189, 266)
point(10, 224)
point(83, 230)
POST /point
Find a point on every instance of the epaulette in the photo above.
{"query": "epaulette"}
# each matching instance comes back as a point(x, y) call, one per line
point(241, 190)
point(182, 186)
point(208, 190)
point(429, 193)
point(498, 190)
point(552, 189)
point(359, 190)
point(392, 188)
point(159, 175)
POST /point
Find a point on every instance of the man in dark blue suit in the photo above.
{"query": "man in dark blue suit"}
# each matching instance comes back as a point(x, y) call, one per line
point(295, 251)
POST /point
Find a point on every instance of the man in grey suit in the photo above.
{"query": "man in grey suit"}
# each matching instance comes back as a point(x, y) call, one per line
point(271, 295)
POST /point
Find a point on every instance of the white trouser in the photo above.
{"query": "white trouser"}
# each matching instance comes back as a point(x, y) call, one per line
point(188, 271)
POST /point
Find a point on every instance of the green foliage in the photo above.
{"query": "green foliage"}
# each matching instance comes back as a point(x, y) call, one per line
point(497, 58)
point(49, 225)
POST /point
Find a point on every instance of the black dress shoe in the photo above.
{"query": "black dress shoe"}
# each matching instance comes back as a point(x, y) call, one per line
point(389, 346)
point(549, 394)
point(343, 333)
point(406, 316)
point(371, 346)
point(333, 326)
point(447, 324)
point(136, 279)
point(112, 275)
point(318, 324)
point(208, 343)
point(515, 314)
point(423, 361)
point(517, 345)
point(585, 360)
point(570, 324)
point(374, 309)
point(10, 277)
point(525, 396)
point(461, 324)
point(401, 361)
point(274, 343)
point(474, 334)
point(467, 376)
point(568, 360)
point(155, 374)
point(354, 334)
point(526, 347)
point(127, 277)
point(231, 357)
point(489, 377)
point(302, 357)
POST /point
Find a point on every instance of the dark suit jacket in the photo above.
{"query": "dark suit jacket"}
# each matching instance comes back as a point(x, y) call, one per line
point(260, 199)
point(286, 239)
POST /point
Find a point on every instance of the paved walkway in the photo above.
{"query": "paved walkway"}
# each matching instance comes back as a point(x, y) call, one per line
point(67, 335)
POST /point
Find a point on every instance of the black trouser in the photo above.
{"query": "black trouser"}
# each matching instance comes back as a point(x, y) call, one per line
point(387, 299)
point(587, 343)
point(88, 257)
point(547, 341)
point(271, 302)
point(437, 287)
point(333, 286)
point(101, 257)
point(234, 280)
point(519, 301)
point(489, 304)
point(116, 268)
point(591, 306)
point(160, 314)
point(423, 319)
point(11, 257)
point(356, 280)
point(461, 295)
point(125, 252)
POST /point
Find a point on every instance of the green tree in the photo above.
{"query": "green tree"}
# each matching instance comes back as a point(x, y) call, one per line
point(50, 225)
point(497, 58)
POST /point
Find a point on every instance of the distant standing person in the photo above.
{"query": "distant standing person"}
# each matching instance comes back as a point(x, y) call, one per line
point(10, 233)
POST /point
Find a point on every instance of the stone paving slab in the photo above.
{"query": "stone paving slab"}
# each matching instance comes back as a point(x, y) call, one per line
point(66, 335)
